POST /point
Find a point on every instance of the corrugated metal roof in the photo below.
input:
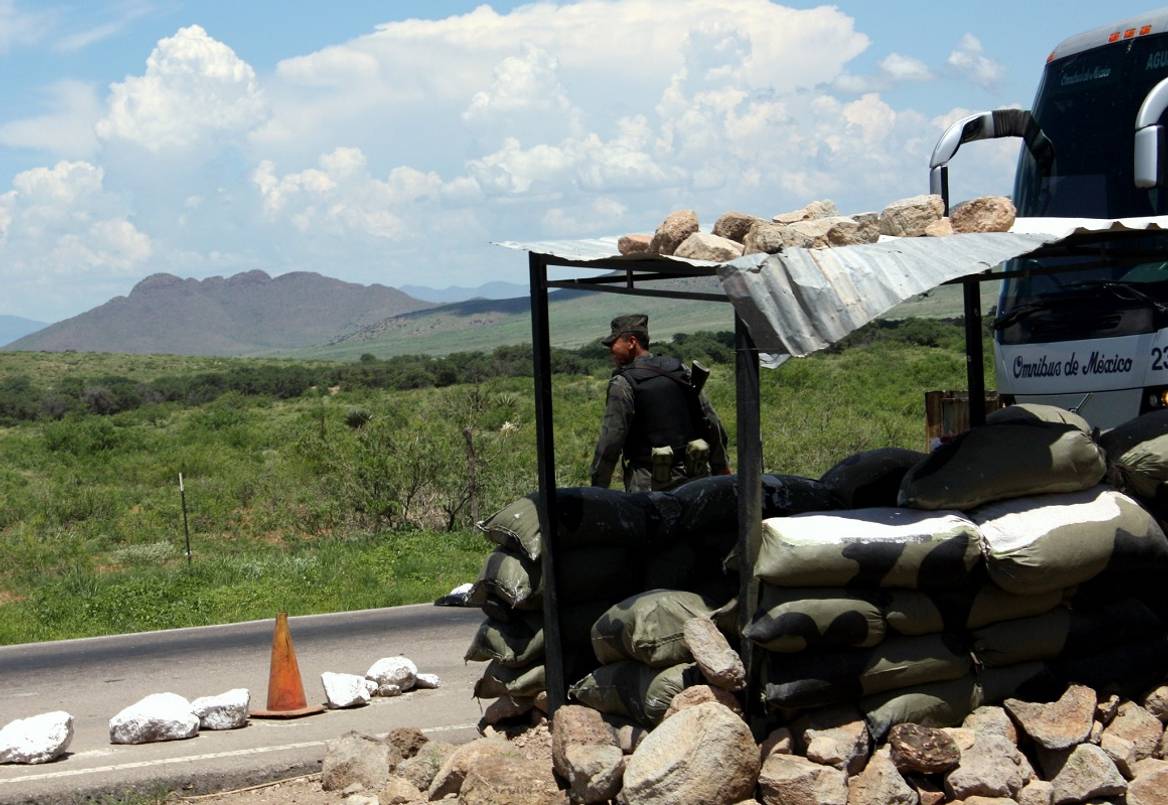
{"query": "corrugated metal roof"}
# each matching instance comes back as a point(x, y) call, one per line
point(803, 300)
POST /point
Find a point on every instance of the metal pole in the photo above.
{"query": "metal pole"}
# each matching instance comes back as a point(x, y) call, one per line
point(545, 454)
point(749, 506)
point(974, 368)
point(182, 494)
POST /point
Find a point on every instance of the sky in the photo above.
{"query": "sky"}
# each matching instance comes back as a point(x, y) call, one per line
point(393, 142)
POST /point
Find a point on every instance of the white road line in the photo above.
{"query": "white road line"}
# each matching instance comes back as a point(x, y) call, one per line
point(259, 750)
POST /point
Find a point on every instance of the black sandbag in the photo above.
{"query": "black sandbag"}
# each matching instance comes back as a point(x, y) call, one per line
point(709, 506)
point(1129, 669)
point(1138, 451)
point(998, 462)
point(585, 517)
point(820, 679)
point(871, 478)
point(517, 581)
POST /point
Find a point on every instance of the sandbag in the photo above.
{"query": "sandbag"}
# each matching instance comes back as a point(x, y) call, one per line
point(514, 645)
point(871, 478)
point(992, 604)
point(1129, 668)
point(939, 704)
point(1039, 544)
point(1037, 412)
point(1029, 681)
point(820, 679)
point(648, 628)
point(869, 548)
point(1138, 449)
point(793, 619)
point(998, 462)
point(586, 516)
point(709, 506)
point(517, 581)
point(499, 680)
point(635, 691)
point(1064, 632)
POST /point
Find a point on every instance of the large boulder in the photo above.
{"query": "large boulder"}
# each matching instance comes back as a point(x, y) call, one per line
point(984, 214)
point(1137, 725)
point(991, 767)
point(485, 751)
point(816, 209)
point(634, 244)
point(158, 717)
point(408, 740)
point(764, 237)
point(1056, 725)
point(594, 772)
point(1156, 703)
point(423, 767)
point(509, 780)
point(399, 791)
point(880, 783)
point(673, 231)
point(702, 246)
point(1086, 773)
point(836, 736)
point(909, 217)
point(991, 720)
point(734, 225)
point(700, 694)
point(227, 711)
point(36, 739)
point(356, 758)
point(794, 780)
point(1149, 787)
point(704, 754)
point(575, 725)
point(927, 750)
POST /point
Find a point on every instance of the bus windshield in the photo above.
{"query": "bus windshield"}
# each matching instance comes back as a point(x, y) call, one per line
point(1087, 104)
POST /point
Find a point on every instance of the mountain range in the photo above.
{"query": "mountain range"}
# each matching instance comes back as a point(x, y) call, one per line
point(247, 314)
point(13, 327)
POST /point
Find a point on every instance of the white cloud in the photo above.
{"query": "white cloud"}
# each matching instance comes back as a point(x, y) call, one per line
point(969, 61)
point(19, 27)
point(523, 82)
point(194, 88)
point(599, 216)
point(899, 67)
point(66, 130)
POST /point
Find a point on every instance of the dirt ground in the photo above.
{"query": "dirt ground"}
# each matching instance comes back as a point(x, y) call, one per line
point(298, 791)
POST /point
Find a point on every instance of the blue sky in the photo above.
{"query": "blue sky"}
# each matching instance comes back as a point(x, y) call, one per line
point(390, 142)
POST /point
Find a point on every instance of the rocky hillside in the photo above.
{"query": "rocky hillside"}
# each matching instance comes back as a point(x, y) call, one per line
point(246, 314)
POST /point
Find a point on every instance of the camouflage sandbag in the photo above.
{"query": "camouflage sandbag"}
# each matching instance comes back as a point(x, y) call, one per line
point(1064, 632)
point(586, 516)
point(634, 691)
point(869, 548)
point(517, 581)
point(1039, 544)
point(1037, 412)
point(1138, 450)
point(939, 704)
point(499, 680)
point(648, 628)
point(793, 619)
point(992, 604)
point(998, 462)
point(871, 478)
point(514, 645)
point(820, 679)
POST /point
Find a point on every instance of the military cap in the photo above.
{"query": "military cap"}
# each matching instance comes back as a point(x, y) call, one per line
point(632, 324)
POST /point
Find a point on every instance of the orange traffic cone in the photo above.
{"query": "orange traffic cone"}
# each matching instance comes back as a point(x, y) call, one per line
point(285, 690)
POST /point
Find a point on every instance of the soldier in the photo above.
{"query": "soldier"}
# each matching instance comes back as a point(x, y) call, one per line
point(663, 426)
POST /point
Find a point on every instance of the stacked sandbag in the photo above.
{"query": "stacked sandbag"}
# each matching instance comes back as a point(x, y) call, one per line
point(644, 658)
point(846, 609)
point(600, 541)
point(1137, 452)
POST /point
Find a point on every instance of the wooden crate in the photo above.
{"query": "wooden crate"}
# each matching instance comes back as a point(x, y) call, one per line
point(947, 415)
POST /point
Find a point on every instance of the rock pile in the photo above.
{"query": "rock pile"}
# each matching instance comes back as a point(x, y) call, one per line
point(818, 225)
point(1082, 747)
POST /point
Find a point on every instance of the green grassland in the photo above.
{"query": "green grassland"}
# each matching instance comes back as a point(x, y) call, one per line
point(359, 498)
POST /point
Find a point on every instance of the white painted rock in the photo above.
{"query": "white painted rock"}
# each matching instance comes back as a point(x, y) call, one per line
point(158, 717)
point(399, 671)
point(227, 711)
point(345, 690)
point(386, 691)
point(427, 681)
point(36, 739)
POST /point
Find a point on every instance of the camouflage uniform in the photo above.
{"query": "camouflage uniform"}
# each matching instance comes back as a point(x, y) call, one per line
point(619, 412)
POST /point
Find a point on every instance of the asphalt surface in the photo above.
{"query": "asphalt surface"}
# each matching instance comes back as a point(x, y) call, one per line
point(94, 678)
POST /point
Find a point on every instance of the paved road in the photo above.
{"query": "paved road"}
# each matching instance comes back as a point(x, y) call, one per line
point(94, 678)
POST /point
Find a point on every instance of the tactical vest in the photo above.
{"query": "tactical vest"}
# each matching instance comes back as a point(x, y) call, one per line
point(664, 407)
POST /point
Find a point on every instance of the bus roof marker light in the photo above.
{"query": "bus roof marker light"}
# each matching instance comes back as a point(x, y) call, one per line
point(1145, 30)
point(1129, 33)
point(1113, 37)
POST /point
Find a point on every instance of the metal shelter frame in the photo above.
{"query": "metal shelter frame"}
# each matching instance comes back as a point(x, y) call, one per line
point(622, 278)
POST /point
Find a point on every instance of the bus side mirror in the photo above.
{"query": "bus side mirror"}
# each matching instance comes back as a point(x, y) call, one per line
point(1148, 135)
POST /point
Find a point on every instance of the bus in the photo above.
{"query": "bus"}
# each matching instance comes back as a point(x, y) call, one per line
point(1086, 329)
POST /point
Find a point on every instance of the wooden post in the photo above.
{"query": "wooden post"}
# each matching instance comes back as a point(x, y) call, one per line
point(182, 494)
